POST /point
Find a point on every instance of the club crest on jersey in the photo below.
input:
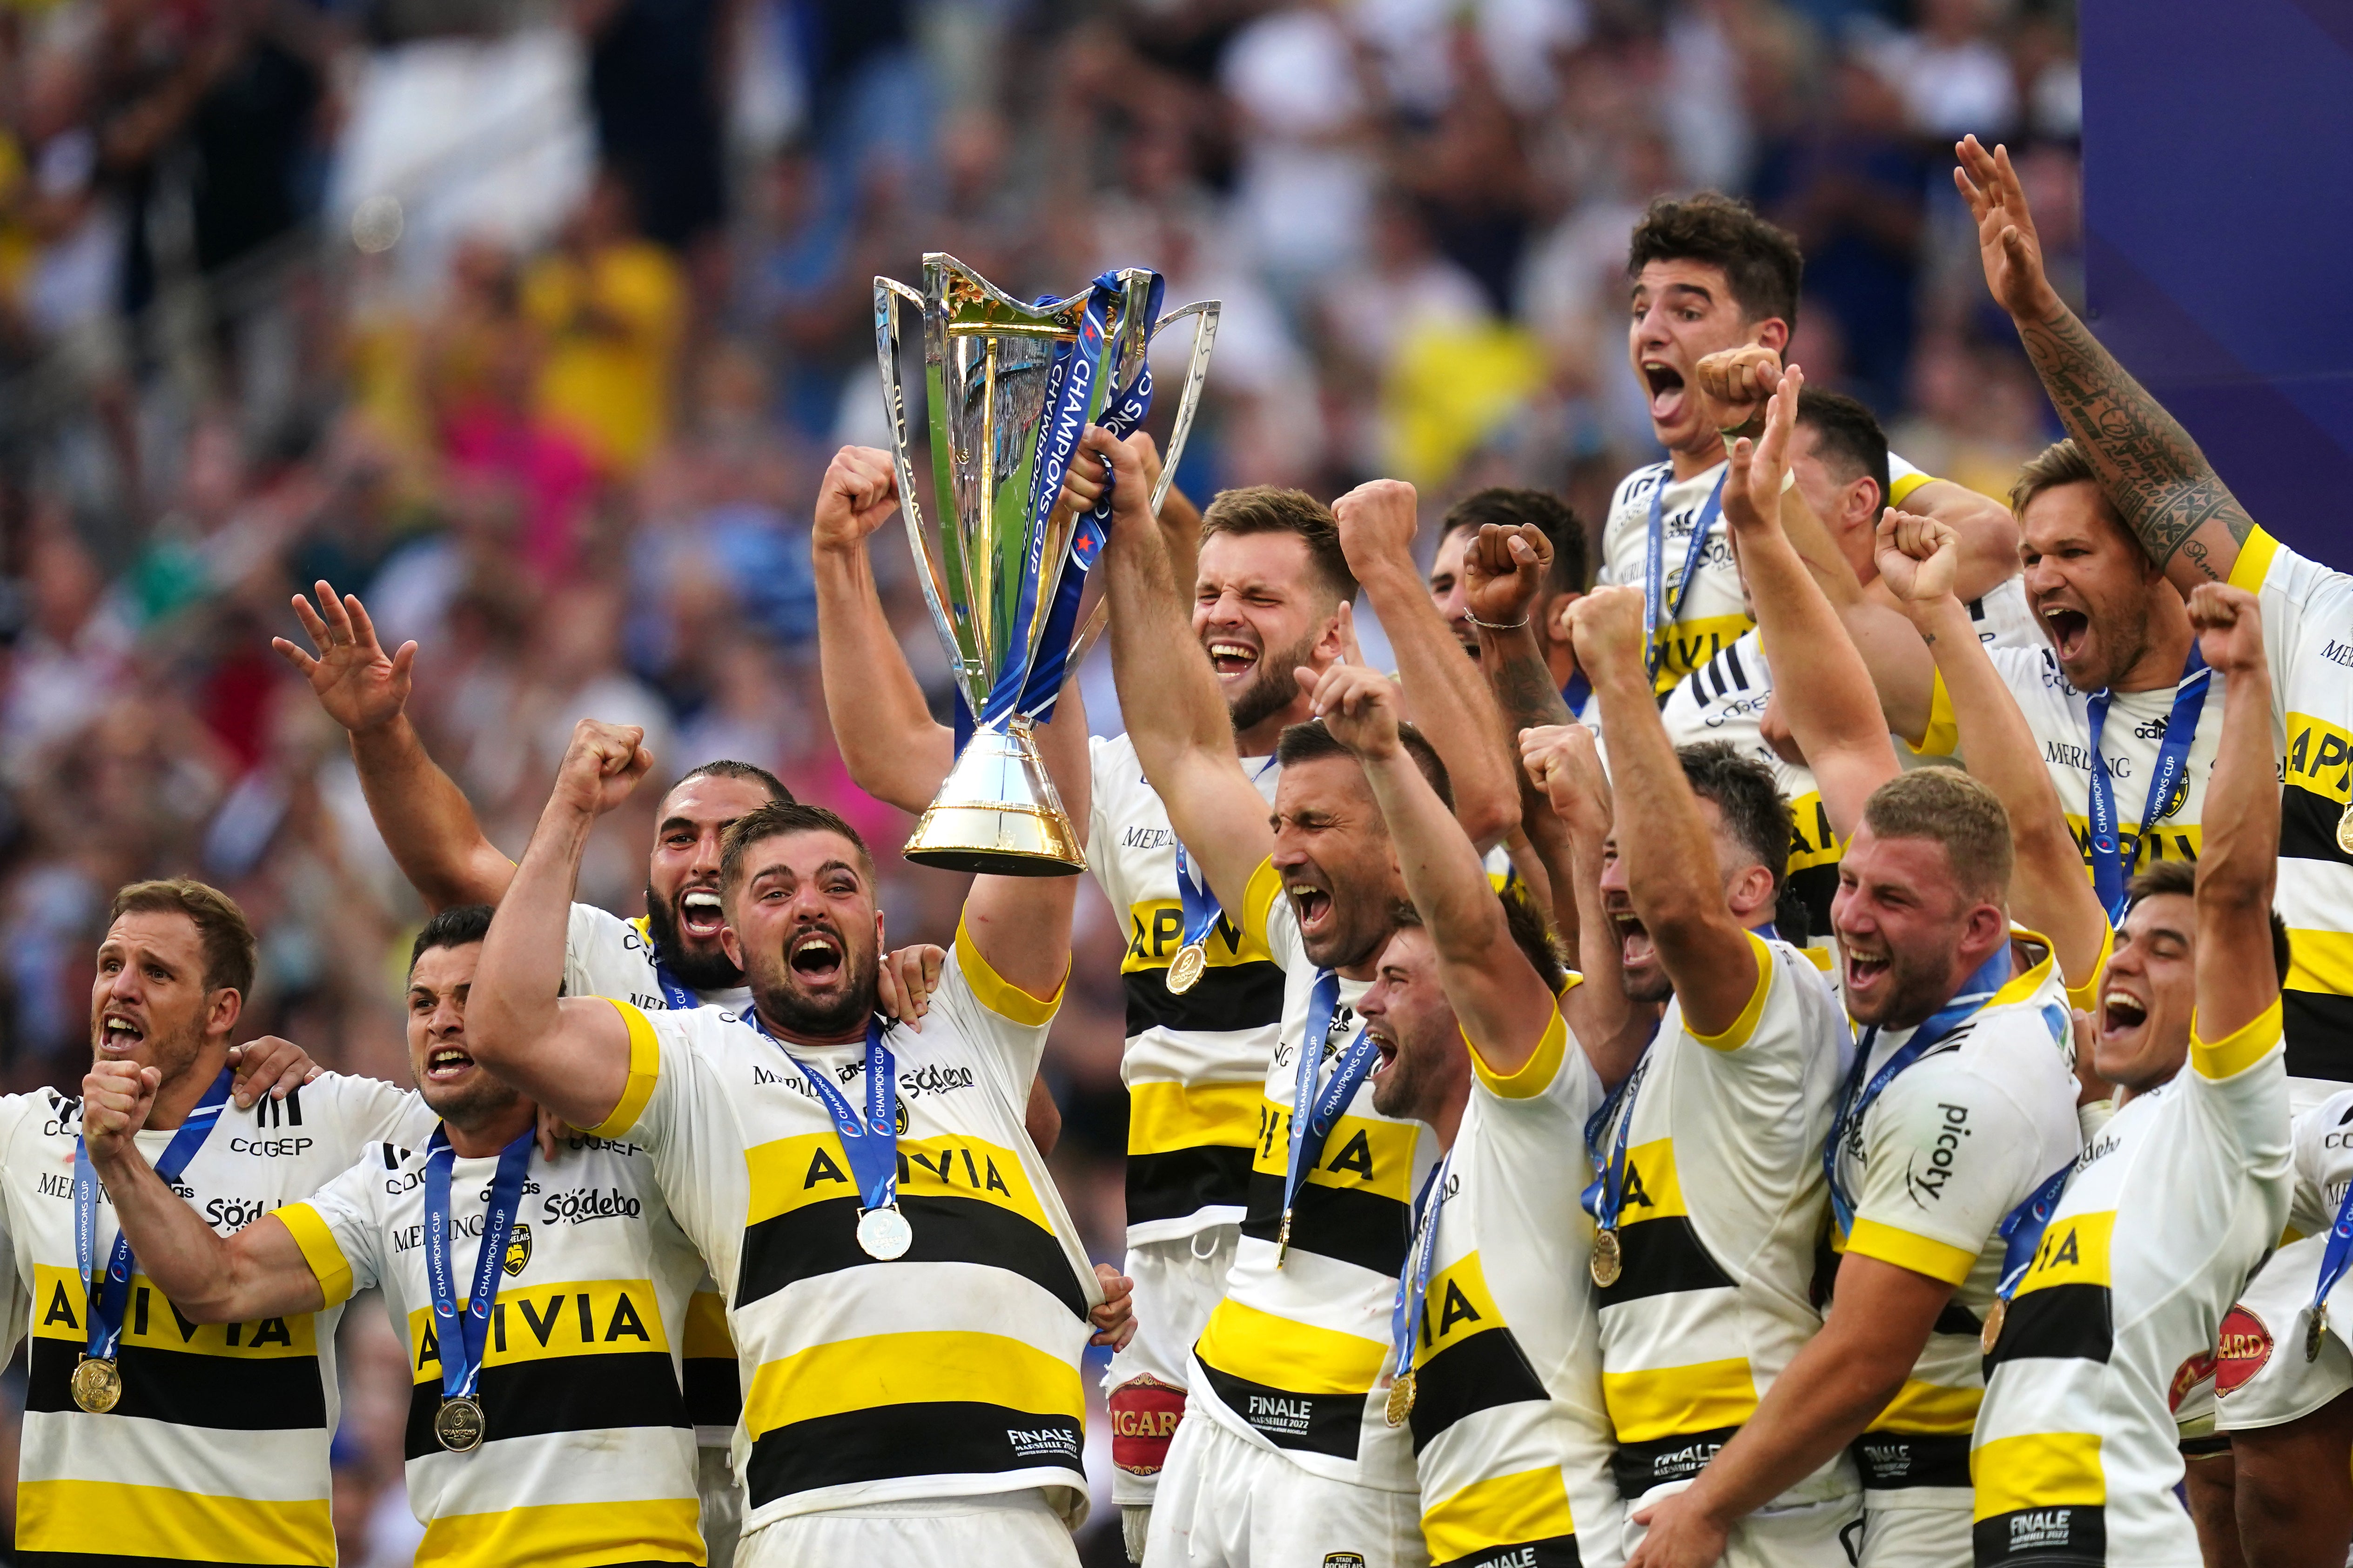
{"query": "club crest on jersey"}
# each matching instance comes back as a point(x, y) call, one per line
point(1344, 1560)
point(518, 1256)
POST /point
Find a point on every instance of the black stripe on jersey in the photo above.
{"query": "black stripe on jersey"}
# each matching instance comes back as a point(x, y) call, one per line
point(2308, 826)
point(1228, 997)
point(1314, 1423)
point(1661, 1258)
point(224, 1393)
point(886, 1441)
point(560, 1394)
point(822, 1239)
point(2065, 1322)
point(2072, 1533)
point(1347, 1225)
point(714, 1391)
point(2319, 1029)
point(1552, 1552)
point(1477, 1373)
point(1639, 1467)
point(1891, 1461)
point(107, 1559)
point(1179, 1182)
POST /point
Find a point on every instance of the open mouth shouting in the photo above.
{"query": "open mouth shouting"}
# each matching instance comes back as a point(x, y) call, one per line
point(1665, 385)
point(1311, 901)
point(1635, 948)
point(2068, 627)
point(119, 1034)
point(816, 957)
point(1232, 653)
point(447, 1064)
point(2121, 1013)
point(1863, 972)
point(699, 915)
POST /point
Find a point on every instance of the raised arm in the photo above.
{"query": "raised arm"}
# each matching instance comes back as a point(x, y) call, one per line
point(2238, 861)
point(1378, 522)
point(1502, 1004)
point(2148, 468)
point(1566, 766)
point(1918, 561)
point(260, 1272)
point(1167, 693)
point(1021, 925)
point(1833, 708)
point(424, 818)
point(570, 1054)
point(1662, 835)
point(893, 747)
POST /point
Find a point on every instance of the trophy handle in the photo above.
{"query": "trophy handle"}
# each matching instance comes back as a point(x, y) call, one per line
point(888, 295)
point(1196, 370)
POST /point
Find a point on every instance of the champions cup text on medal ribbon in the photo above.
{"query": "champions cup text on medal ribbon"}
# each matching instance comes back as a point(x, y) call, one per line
point(1007, 389)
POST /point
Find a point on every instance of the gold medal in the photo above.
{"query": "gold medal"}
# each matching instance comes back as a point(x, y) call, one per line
point(1608, 1258)
point(1184, 972)
point(1990, 1335)
point(2345, 829)
point(2312, 1332)
point(458, 1424)
point(97, 1385)
point(1282, 1239)
point(1400, 1400)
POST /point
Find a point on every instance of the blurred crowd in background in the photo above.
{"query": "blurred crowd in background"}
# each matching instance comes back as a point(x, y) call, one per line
point(535, 327)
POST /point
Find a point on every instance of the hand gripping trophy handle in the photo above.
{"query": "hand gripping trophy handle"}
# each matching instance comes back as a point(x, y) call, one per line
point(1007, 387)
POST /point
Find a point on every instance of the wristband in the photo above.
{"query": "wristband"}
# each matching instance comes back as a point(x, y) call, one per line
point(1492, 626)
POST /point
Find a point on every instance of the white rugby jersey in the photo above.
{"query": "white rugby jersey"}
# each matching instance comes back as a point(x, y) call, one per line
point(2308, 637)
point(2075, 1455)
point(1510, 1437)
point(1725, 1203)
point(2259, 1371)
point(1715, 611)
point(605, 955)
point(587, 1447)
point(218, 1450)
point(952, 1372)
point(1951, 1146)
point(1193, 1062)
point(1289, 1357)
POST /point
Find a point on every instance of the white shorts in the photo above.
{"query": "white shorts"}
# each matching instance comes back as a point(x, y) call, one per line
point(1226, 1502)
point(1007, 1529)
point(1814, 1535)
point(1178, 1283)
point(1916, 1537)
point(2264, 1377)
point(722, 1505)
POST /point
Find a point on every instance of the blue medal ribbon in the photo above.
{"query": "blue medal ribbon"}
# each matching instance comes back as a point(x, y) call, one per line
point(1658, 610)
point(462, 1335)
point(1605, 1197)
point(2108, 869)
point(107, 1294)
point(1314, 1114)
point(1202, 911)
point(1413, 1285)
point(871, 1144)
point(1856, 1096)
point(2333, 1260)
point(2022, 1228)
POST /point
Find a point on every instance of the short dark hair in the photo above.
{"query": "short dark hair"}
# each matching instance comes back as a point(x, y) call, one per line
point(1309, 741)
point(1762, 264)
point(460, 925)
point(2061, 463)
point(724, 769)
point(1509, 508)
point(775, 820)
point(1530, 931)
point(223, 933)
point(1752, 804)
point(1270, 509)
point(2182, 876)
point(1847, 435)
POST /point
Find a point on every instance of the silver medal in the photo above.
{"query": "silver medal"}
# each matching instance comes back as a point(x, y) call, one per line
point(885, 1233)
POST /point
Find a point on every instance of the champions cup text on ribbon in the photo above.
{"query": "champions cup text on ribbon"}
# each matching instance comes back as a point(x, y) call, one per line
point(108, 1293)
point(461, 1335)
point(2109, 871)
point(870, 1145)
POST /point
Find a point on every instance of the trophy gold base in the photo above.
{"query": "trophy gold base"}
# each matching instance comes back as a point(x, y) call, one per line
point(998, 812)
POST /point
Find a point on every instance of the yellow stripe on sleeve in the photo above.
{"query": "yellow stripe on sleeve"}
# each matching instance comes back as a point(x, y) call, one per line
point(644, 1068)
point(320, 1250)
point(1535, 1074)
point(2237, 1051)
point(1000, 995)
point(1943, 736)
point(1920, 1254)
point(2086, 996)
point(2254, 562)
point(1900, 490)
point(2041, 1469)
point(1744, 1026)
point(1257, 900)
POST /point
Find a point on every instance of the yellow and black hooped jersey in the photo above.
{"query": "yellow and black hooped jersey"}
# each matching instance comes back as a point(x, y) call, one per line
point(1510, 1437)
point(2308, 637)
point(605, 955)
point(218, 1450)
point(1724, 1204)
point(1291, 1356)
point(953, 1372)
point(1937, 1161)
point(587, 1456)
point(1196, 1061)
point(2170, 1205)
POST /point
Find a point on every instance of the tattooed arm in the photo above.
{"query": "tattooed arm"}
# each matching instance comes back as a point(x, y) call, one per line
point(2149, 468)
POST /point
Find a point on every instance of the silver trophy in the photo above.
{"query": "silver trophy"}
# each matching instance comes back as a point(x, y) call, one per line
point(1002, 566)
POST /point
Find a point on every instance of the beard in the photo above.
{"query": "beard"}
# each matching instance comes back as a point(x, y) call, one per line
point(468, 1104)
point(794, 1012)
point(698, 970)
point(1397, 1090)
point(1272, 687)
